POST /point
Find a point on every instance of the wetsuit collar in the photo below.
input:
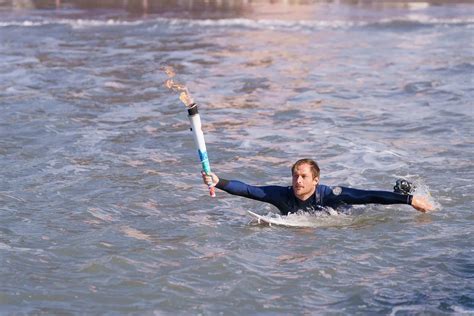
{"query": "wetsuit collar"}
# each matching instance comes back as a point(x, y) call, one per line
point(309, 198)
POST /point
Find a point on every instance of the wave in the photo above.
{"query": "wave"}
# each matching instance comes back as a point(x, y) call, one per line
point(422, 21)
point(315, 24)
point(74, 23)
point(269, 24)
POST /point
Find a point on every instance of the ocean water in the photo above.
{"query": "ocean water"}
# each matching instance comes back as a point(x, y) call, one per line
point(102, 208)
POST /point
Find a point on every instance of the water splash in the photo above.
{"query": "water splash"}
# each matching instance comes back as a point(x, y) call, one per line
point(422, 189)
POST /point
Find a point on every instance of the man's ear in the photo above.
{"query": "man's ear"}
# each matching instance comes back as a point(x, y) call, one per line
point(316, 180)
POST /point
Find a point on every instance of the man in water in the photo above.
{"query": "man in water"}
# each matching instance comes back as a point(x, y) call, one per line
point(308, 195)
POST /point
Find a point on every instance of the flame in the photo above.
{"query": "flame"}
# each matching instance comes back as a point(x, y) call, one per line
point(186, 98)
point(184, 95)
point(169, 71)
point(170, 84)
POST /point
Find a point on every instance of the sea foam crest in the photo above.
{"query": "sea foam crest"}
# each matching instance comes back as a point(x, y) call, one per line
point(271, 24)
point(74, 23)
point(311, 25)
point(423, 20)
point(268, 24)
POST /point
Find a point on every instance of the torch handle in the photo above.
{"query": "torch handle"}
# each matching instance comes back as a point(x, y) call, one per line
point(207, 168)
point(195, 120)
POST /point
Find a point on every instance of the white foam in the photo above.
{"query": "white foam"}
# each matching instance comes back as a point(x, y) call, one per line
point(407, 308)
point(6, 247)
point(423, 189)
point(114, 85)
point(462, 310)
point(246, 23)
point(424, 19)
point(311, 25)
point(74, 23)
point(271, 24)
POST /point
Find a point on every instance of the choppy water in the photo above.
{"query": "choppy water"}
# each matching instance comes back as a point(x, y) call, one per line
point(102, 210)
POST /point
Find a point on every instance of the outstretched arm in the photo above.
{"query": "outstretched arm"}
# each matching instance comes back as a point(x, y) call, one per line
point(272, 194)
point(356, 196)
point(238, 188)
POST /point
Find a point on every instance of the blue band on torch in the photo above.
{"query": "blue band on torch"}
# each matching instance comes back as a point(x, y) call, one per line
point(204, 161)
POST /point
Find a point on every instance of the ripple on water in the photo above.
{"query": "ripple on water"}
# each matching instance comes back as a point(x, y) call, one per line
point(103, 208)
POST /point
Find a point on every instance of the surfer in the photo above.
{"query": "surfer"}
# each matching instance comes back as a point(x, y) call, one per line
point(308, 195)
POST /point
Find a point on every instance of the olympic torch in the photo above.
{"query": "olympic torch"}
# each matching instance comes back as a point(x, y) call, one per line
point(195, 120)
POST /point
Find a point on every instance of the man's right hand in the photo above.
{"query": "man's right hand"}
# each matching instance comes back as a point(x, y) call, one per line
point(211, 178)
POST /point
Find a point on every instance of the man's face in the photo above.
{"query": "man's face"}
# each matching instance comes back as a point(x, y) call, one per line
point(303, 182)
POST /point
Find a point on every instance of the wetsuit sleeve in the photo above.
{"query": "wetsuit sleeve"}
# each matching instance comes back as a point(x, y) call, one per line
point(343, 195)
point(270, 194)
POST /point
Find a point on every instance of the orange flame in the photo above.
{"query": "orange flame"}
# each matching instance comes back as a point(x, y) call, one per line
point(169, 71)
point(186, 98)
point(184, 95)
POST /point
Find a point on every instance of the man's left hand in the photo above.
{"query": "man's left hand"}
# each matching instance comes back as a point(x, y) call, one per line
point(422, 204)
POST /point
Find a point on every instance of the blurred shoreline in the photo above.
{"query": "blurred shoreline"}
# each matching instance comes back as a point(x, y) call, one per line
point(160, 6)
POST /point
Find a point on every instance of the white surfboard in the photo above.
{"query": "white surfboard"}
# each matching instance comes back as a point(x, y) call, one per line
point(274, 220)
point(330, 218)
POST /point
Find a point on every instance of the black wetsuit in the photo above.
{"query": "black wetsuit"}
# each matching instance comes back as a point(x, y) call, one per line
point(286, 201)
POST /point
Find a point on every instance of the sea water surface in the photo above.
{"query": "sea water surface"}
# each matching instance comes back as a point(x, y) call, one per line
point(102, 209)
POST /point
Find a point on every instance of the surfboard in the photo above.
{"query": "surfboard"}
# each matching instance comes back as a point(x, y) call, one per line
point(270, 220)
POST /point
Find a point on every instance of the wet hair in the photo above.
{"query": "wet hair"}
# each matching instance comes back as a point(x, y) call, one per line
point(312, 164)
